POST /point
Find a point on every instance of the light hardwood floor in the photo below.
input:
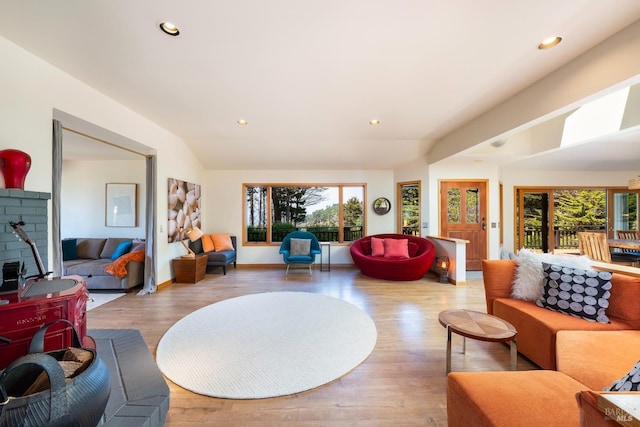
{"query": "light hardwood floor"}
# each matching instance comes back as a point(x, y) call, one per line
point(402, 383)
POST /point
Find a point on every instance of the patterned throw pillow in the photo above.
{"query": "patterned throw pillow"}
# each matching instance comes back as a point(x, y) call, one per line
point(299, 247)
point(529, 277)
point(629, 382)
point(580, 293)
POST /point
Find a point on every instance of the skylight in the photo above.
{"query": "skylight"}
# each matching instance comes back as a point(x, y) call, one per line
point(596, 118)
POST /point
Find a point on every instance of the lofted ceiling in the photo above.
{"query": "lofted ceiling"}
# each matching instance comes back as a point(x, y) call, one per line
point(308, 77)
point(601, 134)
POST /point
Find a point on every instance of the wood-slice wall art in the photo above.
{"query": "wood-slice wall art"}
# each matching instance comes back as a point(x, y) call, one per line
point(184, 208)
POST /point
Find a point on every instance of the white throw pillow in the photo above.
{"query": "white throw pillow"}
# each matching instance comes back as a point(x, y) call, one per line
point(528, 281)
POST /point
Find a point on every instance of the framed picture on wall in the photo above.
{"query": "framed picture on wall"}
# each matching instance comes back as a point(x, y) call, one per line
point(184, 208)
point(121, 207)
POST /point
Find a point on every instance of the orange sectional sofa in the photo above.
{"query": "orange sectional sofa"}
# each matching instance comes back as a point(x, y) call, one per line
point(588, 361)
point(537, 327)
point(580, 359)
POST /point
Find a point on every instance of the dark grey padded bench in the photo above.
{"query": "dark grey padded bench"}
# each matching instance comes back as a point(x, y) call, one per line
point(216, 259)
point(139, 393)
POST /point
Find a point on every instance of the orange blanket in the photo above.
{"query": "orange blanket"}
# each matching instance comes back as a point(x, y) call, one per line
point(118, 267)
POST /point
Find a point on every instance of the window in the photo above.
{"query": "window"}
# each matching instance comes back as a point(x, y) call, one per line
point(334, 213)
point(548, 219)
point(409, 208)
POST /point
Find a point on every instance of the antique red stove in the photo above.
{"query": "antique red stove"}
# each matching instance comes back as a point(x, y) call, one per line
point(26, 307)
point(41, 301)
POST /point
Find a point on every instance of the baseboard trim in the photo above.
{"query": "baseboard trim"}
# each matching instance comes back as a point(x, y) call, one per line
point(280, 266)
point(458, 282)
point(167, 283)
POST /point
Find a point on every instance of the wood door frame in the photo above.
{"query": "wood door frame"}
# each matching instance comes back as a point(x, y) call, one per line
point(501, 223)
point(518, 198)
point(610, 207)
point(399, 223)
point(484, 209)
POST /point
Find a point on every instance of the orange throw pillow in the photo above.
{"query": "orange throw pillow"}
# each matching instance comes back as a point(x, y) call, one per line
point(222, 242)
point(396, 248)
point(207, 243)
point(377, 246)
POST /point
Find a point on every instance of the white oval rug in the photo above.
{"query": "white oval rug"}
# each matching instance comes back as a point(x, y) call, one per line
point(266, 345)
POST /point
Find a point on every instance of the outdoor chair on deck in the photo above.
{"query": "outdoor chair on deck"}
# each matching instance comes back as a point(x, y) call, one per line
point(629, 235)
point(595, 246)
point(300, 247)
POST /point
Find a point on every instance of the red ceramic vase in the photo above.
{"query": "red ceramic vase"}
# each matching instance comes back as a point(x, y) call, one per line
point(15, 165)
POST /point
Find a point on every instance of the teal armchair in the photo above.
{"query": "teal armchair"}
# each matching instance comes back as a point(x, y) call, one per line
point(300, 247)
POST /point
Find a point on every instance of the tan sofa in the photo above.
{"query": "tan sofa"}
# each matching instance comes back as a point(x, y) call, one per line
point(581, 358)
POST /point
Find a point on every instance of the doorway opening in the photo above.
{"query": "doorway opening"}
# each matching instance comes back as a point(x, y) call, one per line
point(86, 158)
point(409, 208)
point(549, 219)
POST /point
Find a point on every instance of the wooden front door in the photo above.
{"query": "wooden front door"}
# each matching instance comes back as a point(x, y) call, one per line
point(463, 215)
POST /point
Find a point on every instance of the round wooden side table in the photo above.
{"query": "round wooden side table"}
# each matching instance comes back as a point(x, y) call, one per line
point(478, 326)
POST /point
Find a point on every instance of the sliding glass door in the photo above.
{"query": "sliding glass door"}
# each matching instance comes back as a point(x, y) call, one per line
point(535, 213)
point(409, 208)
point(623, 211)
point(548, 219)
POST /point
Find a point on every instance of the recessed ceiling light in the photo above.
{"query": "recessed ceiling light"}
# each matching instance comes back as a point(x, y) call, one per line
point(374, 122)
point(549, 42)
point(169, 28)
point(242, 122)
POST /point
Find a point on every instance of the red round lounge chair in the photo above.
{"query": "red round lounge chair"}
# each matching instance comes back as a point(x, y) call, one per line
point(421, 255)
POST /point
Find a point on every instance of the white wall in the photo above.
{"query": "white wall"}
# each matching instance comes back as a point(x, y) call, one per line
point(32, 89)
point(83, 197)
point(224, 200)
point(417, 171)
